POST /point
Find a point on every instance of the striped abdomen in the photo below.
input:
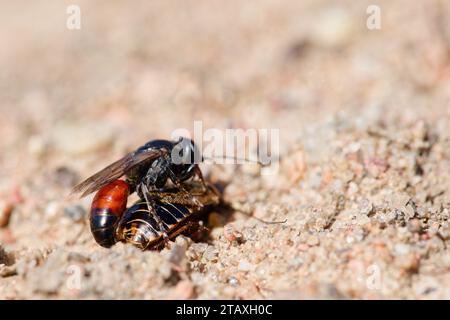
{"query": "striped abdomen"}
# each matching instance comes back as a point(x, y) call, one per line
point(107, 208)
point(139, 227)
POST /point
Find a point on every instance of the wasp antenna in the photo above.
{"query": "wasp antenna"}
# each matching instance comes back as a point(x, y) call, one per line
point(236, 158)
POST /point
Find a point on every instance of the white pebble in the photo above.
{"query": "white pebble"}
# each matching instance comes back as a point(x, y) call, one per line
point(244, 265)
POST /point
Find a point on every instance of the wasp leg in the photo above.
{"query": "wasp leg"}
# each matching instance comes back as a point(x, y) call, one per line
point(151, 209)
point(199, 174)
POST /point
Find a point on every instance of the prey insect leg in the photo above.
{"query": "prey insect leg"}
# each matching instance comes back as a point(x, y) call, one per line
point(151, 208)
point(180, 186)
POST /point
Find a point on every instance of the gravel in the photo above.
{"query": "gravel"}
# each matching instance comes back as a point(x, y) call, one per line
point(364, 173)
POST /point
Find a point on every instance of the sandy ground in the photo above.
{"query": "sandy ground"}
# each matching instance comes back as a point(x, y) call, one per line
point(364, 118)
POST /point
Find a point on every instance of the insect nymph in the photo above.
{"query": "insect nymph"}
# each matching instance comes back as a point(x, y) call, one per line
point(179, 214)
point(148, 170)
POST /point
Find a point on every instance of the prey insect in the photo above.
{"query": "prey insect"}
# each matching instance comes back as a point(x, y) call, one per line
point(179, 214)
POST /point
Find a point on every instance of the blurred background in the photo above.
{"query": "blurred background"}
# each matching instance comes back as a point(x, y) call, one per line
point(137, 71)
point(72, 101)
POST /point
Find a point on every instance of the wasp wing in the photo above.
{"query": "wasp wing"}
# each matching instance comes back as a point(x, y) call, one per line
point(115, 170)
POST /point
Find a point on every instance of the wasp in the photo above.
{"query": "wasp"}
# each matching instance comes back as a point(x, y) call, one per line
point(149, 167)
point(147, 170)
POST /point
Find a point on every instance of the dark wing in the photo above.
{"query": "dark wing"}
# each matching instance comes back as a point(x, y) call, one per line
point(115, 170)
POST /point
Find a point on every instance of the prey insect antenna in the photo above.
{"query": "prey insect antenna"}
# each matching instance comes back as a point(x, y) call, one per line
point(233, 208)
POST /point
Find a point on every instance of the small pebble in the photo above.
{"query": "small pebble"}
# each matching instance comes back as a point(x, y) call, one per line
point(183, 241)
point(399, 201)
point(233, 281)
point(444, 231)
point(365, 207)
point(376, 166)
point(352, 189)
point(414, 225)
point(245, 266)
point(196, 250)
point(409, 212)
point(313, 241)
point(211, 254)
point(7, 271)
point(4, 257)
point(391, 216)
point(52, 209)
point(177, 253)
point(408, 262)
point(402, 249)
point(231, 234)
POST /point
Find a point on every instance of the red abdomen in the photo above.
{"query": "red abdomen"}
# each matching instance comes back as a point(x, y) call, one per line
point(107, 207)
